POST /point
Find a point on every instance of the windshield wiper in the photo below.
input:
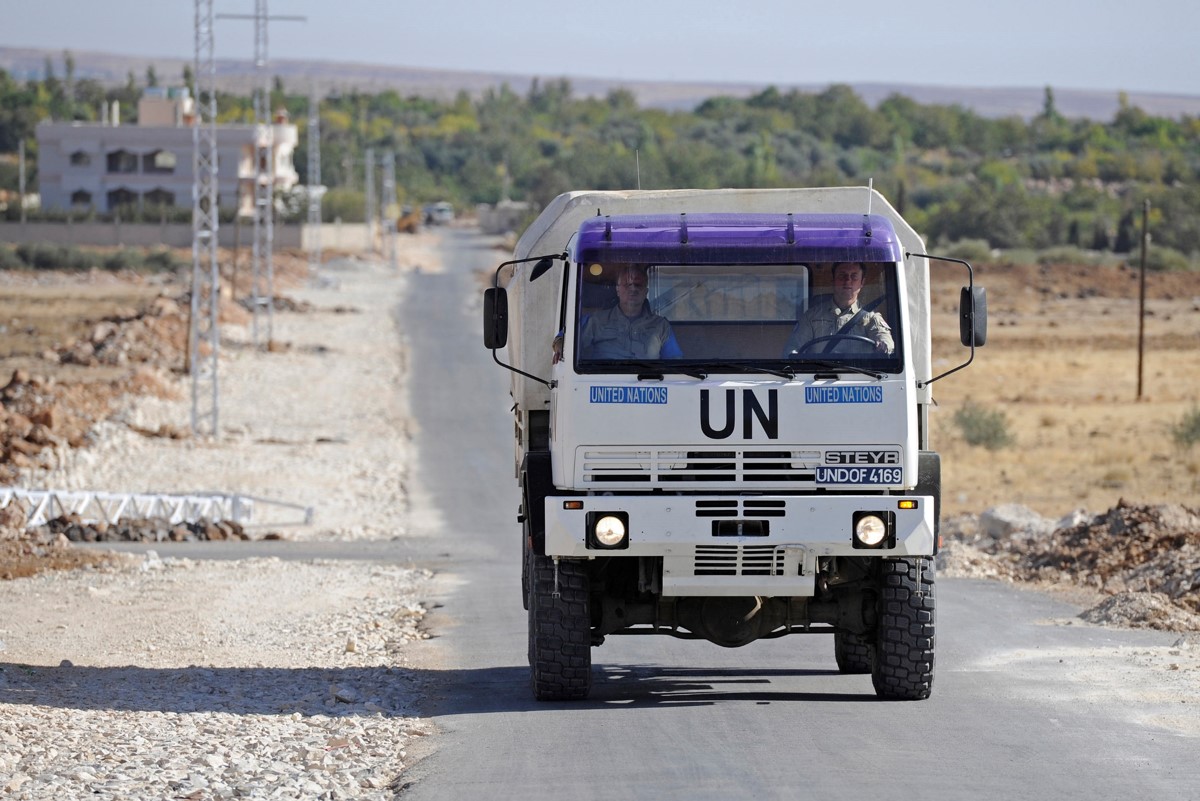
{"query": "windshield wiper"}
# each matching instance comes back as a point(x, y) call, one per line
point(835, 367)
point(785, 371)
point(648, 369)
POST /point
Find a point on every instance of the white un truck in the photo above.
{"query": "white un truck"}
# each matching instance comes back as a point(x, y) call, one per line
point(721, 429)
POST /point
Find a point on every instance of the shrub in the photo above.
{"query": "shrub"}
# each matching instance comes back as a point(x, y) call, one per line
point(1164, 259)
point(972, 250)
point(9, 260)
point(1017, 256)
point(41, 256)
point(161, 260)
point(1063, 254)
point(982, 426)
point(1186, 432)
point(124, 259)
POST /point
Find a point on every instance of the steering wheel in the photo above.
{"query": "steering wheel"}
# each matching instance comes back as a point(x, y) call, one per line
point(835, 338)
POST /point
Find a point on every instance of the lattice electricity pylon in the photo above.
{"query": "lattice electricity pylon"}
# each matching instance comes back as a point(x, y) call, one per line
point(263, 268)
point(315, 190)
point(203, 332)
point(386, 207)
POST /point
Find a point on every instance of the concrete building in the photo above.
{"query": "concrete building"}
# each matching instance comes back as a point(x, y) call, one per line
point(108, 166)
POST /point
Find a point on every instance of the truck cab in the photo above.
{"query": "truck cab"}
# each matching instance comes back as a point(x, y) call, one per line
point(721, 409)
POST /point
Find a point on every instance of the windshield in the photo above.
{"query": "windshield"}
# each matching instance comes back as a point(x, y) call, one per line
point(633, 316)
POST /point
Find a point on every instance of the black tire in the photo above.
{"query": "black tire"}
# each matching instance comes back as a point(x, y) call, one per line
point(525, 557)
point(854, 653)
point(903, 665)
point(560, 637)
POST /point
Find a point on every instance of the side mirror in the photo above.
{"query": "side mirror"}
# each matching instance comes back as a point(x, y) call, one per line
point(495, 318)
point(972, 316)
point(541, 268)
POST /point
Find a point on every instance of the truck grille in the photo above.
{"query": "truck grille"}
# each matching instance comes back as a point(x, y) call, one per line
point(738, 560)
point(697, 467)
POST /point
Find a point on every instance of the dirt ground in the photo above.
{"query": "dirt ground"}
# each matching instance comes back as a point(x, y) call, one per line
point(1060, 364)
point(71, 346)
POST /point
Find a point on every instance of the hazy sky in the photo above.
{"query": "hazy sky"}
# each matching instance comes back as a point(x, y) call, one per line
point(1146, 45)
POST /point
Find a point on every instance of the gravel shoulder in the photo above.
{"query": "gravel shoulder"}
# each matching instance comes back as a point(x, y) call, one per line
point(149, 677)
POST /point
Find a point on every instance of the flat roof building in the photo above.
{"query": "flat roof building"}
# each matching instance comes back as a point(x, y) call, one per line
point(107, 166)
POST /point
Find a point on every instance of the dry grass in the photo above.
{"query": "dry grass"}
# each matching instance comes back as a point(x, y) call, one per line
point(1064, 372)
point(40, 311)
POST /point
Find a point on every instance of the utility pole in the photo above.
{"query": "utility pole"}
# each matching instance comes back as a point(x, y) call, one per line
point(203, 332)
point(387, 205)
point(1142, 294)
point(370, 193)
point(264, 183)
point(315, 190)
point(21, 178)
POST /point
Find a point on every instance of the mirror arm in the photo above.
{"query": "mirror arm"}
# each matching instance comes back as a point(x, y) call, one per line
point(496, 276)
point(496, 284)
point(971, 291)
point(530, 376)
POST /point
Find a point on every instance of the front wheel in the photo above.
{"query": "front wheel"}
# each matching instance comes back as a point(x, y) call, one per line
point(903, 664)
point(560, 637)
point(854, 652)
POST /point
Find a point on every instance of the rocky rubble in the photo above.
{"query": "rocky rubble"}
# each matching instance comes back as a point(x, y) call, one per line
point(157, 529)
point(1145, 558)
point(156, 335)
point(38, 415)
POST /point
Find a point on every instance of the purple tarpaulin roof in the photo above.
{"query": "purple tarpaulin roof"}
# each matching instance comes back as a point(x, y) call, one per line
point(737, 238)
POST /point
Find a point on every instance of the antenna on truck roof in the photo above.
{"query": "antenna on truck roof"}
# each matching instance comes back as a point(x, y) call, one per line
point(867, 216)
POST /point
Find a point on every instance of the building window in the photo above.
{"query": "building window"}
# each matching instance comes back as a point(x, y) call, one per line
point(121, 198)
point(159, 197)
point(81, 158)
point(81, 198)
point(122, 161)
point(160, 161)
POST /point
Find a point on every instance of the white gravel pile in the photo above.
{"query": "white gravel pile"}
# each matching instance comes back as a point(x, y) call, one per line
point(258, 678)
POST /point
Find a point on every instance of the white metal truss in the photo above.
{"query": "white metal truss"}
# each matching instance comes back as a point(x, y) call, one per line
point(315, 189)
point(203, 330)
point(42, 506)
point(387, 207)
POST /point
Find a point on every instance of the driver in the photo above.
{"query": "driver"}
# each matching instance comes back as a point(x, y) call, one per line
point(838, 316)
point(629, 330)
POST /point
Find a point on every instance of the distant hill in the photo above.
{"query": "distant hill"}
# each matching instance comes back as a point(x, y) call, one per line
point(330, 76)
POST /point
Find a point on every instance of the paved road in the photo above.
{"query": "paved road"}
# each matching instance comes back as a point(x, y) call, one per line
point(672, 719)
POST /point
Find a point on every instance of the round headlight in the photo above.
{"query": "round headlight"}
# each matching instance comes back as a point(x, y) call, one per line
point(610, 531)
point(870, 530)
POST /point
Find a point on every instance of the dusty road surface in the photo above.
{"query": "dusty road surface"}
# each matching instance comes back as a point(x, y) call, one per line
point(380, 651)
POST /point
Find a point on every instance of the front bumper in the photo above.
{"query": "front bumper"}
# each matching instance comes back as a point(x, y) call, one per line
point(706, 549)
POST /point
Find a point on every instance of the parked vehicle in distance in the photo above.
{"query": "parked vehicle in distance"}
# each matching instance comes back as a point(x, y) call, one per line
point(440, 213)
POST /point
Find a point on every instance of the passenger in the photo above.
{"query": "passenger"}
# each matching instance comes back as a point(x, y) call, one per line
point(839, 317)
point(628, 330)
